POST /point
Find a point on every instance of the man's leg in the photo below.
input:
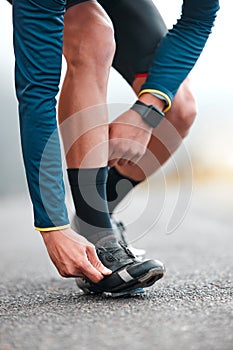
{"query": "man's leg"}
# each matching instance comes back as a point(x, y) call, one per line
point(138, 45)
point(88, 49)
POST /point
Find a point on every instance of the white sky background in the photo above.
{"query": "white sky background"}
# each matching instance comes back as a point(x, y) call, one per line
point(210, 141)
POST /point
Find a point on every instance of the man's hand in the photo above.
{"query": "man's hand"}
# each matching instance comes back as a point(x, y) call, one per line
point(73, 255)
point(129, 136)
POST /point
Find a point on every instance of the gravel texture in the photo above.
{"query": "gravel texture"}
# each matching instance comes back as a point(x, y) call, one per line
point(190, 309)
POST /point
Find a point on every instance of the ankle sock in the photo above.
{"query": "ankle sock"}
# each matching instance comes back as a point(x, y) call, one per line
point(88, 188)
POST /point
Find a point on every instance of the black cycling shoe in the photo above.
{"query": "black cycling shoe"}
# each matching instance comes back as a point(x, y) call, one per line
point(120, 234)
point(128, 273)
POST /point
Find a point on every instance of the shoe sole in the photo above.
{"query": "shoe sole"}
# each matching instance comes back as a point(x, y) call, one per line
point(144, 281)
point(126, 294)
point(130, 293)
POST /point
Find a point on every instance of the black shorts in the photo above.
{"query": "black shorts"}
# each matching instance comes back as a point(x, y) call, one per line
point(138, 29)
point(70, 3)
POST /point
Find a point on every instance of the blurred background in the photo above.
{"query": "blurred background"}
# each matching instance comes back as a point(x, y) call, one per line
point(210, 142)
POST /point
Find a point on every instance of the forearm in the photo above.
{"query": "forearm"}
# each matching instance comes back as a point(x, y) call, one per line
point(38, 47)
point(179, 50)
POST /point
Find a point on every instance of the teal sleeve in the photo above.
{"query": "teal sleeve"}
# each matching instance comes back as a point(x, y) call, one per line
point(38, 31)
point(180, 48)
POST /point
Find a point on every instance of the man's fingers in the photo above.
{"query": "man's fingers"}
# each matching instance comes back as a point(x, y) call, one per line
point(134, 160)
point(122, 161)
point(112, 162)
point(131, 163)
point(119, 161)
point(91, 272)
point(92, 267)
point(95, 261)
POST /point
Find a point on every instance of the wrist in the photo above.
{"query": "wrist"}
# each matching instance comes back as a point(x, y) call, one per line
point(47, 234)
point(141, 122)
point(150, 99)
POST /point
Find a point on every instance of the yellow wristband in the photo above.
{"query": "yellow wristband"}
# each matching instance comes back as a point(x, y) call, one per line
point(54, 228)
point(165, 96)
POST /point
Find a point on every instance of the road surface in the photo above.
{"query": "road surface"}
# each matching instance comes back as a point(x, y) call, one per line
point(190, 309)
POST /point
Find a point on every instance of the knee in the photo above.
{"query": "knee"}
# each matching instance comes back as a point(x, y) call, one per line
point(184, 110)
point(94, 47)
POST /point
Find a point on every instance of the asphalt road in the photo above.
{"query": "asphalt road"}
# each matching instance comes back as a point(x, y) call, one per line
point(190, 309)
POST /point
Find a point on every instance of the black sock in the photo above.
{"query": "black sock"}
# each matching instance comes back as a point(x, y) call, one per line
point(118, 186)
point(88, 188)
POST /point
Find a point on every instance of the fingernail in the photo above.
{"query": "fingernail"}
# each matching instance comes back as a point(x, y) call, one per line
point(107, 271)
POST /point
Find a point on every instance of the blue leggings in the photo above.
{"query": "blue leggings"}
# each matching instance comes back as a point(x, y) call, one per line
point(38, 30)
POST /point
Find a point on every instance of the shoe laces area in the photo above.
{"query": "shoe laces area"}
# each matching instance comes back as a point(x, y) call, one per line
point(127, 250)
point(116, 253)
point(121, 227)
